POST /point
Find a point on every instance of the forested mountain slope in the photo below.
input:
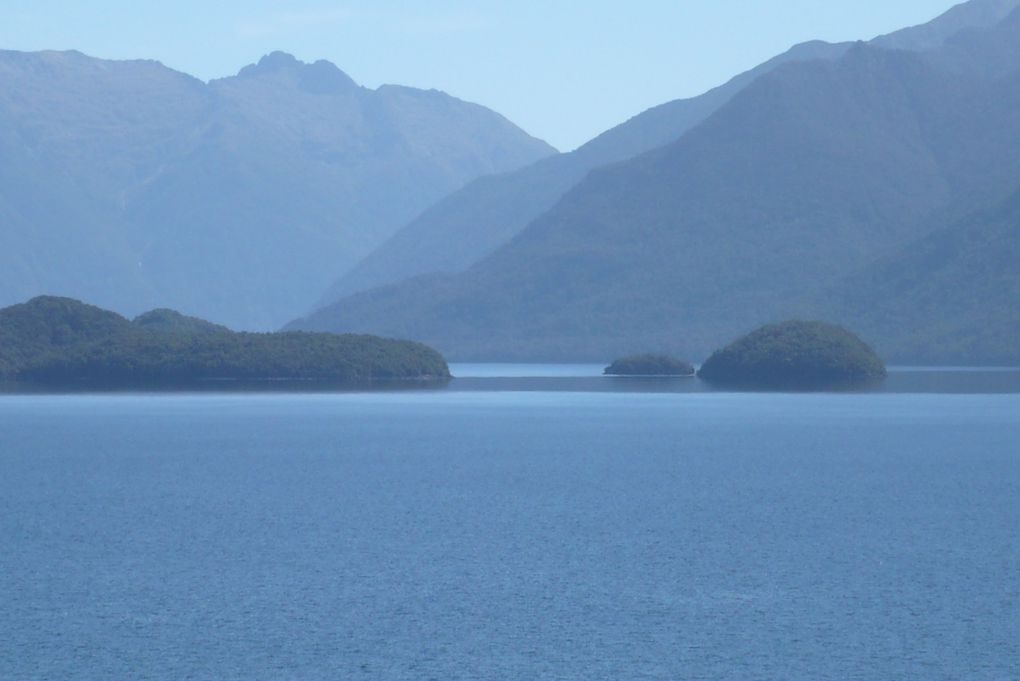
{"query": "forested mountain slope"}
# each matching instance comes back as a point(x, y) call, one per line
point(811, 173)
point(460, 229)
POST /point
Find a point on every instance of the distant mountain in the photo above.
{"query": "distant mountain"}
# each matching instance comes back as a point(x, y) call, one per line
point(485, 214)
point(933, 35)
point(136, 186)
point(950, 297)
point(462, 228)
point(809, 174)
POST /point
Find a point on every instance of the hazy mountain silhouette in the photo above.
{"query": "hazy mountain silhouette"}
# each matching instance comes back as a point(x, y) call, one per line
point(933, 34)
point(465, 226)
point(462, 228)
point(809, 174)
point(136, 186)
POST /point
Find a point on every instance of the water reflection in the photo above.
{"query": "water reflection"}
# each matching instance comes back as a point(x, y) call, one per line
point(565, 378)
point(588, 378)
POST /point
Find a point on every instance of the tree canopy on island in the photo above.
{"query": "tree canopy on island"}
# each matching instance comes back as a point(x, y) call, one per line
point(171, 321)
point(58, 340)
point(794, 354)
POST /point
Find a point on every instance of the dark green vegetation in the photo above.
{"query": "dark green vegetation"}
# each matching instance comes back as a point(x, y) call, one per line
point(794, 355)
point(131, 185)
point(49, 325)
point(171, 321)
point(62, 341)
point(649, 365)
point(809, 176)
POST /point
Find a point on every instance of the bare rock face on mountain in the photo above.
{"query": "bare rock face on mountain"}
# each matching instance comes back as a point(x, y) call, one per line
point(811, 173)
point(135, 186)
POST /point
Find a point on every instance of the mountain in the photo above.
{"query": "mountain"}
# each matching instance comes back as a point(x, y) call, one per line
point(949, 297)
point(462, 228)
point(933, 35)
point(473, 221)
point(809, 174)
point(137, 186)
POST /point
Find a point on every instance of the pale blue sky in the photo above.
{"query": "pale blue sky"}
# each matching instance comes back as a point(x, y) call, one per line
point(564, 71)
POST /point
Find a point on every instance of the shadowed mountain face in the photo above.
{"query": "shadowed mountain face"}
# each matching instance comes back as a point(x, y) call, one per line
point(811, 173)
point(461, 229)
point(948, 298)
point(485, 214)
point(136, 186)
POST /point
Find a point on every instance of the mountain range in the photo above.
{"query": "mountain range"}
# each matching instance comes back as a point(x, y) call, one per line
point(874, 184)
point(808, 190)
point(948, 298)
point(472, 222)
point(239, 200)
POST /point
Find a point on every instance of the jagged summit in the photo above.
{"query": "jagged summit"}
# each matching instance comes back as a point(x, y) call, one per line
point(277, 60)
point(136, 186)
point(321, 76)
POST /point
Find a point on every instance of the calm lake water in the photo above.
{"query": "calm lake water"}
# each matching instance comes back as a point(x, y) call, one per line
point(518, 524)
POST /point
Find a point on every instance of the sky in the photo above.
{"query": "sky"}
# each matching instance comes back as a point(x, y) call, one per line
point(564, 70)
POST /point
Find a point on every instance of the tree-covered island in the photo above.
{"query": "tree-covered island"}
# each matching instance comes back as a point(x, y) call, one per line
point(649, 365)
point(58, 341)
point(794, 355)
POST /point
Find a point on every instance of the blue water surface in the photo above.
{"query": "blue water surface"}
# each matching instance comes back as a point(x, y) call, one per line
point(527, 534)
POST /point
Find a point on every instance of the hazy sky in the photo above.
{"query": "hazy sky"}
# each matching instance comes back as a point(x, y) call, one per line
point(563, 70)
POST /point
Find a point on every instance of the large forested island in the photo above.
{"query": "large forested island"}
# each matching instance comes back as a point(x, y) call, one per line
point(799, 355)
point(51, 340)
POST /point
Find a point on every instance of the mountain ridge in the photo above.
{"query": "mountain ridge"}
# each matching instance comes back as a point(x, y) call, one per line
point(811, 173)
point(138, 186)
point(505, 203)
point(467, 225)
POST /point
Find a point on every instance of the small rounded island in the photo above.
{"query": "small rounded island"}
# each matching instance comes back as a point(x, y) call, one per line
point(795, 355)
point(649, 365)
